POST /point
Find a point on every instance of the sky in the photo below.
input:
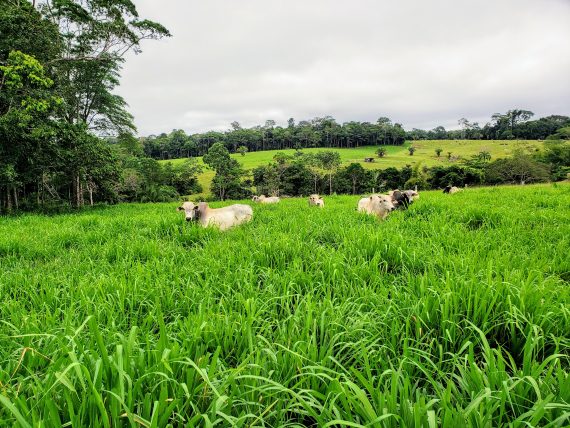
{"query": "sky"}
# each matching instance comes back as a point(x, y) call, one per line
point(420, 63)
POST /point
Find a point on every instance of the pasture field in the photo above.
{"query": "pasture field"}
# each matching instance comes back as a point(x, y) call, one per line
point(397, 156)
point(454, 313)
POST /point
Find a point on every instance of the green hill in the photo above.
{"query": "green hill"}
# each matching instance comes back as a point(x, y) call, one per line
point(397, 156)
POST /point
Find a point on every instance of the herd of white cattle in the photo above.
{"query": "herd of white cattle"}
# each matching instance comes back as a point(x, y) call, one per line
point(233, 215)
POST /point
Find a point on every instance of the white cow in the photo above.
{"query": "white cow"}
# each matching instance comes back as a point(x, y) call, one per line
point(262, 199)
point(378, 205)
point(223, 218)
point(451, 189)
point(316, 200)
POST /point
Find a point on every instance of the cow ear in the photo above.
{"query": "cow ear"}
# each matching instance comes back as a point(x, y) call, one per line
point(196, 208)
point(370, 197)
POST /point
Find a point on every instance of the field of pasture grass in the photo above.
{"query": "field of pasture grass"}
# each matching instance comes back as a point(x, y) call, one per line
point(453, 313)
point(397, 156)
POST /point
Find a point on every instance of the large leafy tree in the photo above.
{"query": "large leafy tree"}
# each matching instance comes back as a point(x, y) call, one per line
point(227, 181)
point(60, 62)
point(96, 36)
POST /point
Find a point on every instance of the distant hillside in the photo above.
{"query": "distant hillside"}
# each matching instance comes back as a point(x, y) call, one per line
point(397, 156)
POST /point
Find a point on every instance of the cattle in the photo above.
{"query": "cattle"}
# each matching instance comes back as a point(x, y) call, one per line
point(400, 199)
point(262, 199)
point(378, 205)
point(222, 218)
point(451, 189)
point(403, 199)
point(316, 201)
point(412, 194)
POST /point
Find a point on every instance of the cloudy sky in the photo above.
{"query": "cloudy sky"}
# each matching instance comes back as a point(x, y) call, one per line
point(421, 63)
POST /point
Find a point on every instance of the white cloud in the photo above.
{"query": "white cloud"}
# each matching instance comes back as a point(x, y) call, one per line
point(421, 63)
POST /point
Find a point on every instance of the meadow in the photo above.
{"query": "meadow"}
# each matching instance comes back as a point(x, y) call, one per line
point(453, 313)
point(396, 156)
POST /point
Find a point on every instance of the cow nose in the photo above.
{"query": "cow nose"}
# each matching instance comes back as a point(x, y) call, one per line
point(188, 219)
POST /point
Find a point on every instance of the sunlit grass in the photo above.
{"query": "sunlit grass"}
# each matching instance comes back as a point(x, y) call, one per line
point(397, 156)
point(453, 313)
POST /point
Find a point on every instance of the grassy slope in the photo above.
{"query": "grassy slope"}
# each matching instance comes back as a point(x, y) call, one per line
point(398, 156)
point(453, 313)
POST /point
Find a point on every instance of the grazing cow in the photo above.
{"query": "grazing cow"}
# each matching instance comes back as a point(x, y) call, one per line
point(451, 189)
point(403, 199)
point(378, 205)
point(412, 194)
point(223, 218)
point(262, 199)
point(316, 200)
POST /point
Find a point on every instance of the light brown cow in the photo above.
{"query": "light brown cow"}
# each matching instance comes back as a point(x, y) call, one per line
point(316, 200)
point(222, 218)
point(262, 199)
point(378, 205)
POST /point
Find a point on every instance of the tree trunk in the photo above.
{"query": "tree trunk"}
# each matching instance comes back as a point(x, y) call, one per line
point(330, 184)
point(8, 200)
point(90, 190)
point(16, 198)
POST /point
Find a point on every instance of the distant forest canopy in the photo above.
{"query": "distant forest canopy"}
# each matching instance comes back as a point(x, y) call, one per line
point(327, 132)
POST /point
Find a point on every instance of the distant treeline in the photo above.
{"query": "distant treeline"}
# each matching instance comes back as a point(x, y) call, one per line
point(306, 173)
point(327, 132)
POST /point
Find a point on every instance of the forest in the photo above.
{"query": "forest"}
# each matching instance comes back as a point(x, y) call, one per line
point(327, 132)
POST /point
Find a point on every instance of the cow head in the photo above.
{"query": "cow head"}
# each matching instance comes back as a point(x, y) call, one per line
point(190, 211)
point(382, 203)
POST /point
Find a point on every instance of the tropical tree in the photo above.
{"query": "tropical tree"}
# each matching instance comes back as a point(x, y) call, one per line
point(227, 181)
point(330, 161)
point(411, 150)
point(381, 152)
point(438, 151)
point(242, 150)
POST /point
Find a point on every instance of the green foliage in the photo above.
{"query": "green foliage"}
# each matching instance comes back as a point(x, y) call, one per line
point(454, 175)
point(59, 65)
point(329, 161)
point(454, 313)
point(438, 151)
point(354, 179)
point(518, 169)
point(381, 152)
point(412, 150)
point(227, 183)
point(242, 150)
point(418, 179)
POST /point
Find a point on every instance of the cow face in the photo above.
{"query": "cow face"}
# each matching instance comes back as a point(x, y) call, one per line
point(190, 211)
point(382, 203)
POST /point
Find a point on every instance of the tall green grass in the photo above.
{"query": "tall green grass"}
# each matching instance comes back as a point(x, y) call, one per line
point(453, 313)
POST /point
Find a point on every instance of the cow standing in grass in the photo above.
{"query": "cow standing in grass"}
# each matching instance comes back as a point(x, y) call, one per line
point(316, 201)
point(403, 199)
point(378, 205)
point(262, 199)
point(222, 218)
point(451, 189)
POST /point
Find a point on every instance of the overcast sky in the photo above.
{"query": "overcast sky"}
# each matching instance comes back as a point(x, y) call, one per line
point(421, 63)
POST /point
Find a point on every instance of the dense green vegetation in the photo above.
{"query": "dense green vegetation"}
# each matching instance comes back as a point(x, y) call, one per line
point(453, 313)
point(433, 165)
point(327, 132)
point(60, 62)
